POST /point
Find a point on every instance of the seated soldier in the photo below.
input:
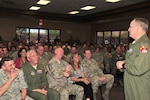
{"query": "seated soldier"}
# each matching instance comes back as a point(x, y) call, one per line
point(11, 81)
point(96, 75)
point(58, 73)
point(35, 76)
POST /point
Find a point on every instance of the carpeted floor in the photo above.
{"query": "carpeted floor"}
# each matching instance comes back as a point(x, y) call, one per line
point(117, 93)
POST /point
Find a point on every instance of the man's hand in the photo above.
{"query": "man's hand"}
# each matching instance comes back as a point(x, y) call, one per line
point(119, 64)
point(66, 74)
point(43, 91)
point(102, 79)
point(67, 69)
point(86, 81)
point(14, 74)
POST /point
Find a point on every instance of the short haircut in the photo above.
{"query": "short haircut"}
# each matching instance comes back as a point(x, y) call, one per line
point(29, 51)
point(143, 23)
point(5, 59)
point(74, 47)
point(87, 50)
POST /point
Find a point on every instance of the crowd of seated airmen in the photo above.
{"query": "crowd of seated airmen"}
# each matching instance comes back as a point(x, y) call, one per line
point(45, 54)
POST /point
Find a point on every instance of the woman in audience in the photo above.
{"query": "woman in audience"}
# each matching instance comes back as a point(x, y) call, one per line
point(5, 52)
point(21, 58)
point(79, 78)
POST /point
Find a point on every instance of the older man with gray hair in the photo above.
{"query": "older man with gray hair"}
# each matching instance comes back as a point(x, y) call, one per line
point(35, 76)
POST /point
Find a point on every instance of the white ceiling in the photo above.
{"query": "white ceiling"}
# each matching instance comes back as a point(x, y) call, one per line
point(64, 6)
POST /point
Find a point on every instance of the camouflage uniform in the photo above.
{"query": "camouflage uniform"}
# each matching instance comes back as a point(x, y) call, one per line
point(99, 58)
point(68, 57)
point(107, 56)
point(59, 82)
point(13, 92)
point(49, 55)
point(93, 73)
point(44, 60)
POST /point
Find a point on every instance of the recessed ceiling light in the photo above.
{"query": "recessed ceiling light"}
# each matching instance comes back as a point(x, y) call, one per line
point(73, 12)
point(34, 8)
point(88, 7)
point(113, 1)
point(43, 2)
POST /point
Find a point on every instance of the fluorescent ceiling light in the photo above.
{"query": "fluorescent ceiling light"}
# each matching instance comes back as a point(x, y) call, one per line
point(88, 7)
point(43, 2)
point(73, 12)
point(34, 8)
point(113, 1)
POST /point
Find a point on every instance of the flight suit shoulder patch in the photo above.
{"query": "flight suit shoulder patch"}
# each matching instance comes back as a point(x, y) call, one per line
point(143, 49)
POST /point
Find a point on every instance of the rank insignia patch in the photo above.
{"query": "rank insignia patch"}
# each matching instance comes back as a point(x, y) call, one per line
point(143, 49)
point(32, 73)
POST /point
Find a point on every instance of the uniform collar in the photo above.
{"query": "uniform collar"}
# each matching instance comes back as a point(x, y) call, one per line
point(140, 39)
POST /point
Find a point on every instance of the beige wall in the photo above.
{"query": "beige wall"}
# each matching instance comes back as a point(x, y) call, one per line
point(8, 28)
point(120, 24)
point(85, 32)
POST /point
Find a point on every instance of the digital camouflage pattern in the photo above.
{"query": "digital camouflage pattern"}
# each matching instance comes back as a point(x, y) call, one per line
point(93, 73)
point(59, 82)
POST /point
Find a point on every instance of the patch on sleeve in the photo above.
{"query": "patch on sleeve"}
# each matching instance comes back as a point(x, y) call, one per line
point(143, 49)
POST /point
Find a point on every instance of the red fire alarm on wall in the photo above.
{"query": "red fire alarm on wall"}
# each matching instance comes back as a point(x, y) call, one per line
point(40, 22)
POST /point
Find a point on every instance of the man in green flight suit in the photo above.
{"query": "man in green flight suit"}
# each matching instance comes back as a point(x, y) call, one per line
point(137, 62)
point(35, 76)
